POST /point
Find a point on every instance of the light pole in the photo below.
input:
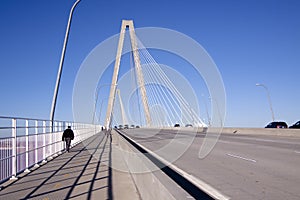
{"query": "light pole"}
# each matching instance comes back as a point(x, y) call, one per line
point(269, 99)
point(61, 63)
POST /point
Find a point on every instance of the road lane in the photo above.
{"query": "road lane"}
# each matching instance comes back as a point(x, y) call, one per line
point(275, 173)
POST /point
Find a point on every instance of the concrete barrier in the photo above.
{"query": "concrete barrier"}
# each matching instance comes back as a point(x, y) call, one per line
point(197, 129)
point(238, 131)
point(147, 184)
point(258, 131)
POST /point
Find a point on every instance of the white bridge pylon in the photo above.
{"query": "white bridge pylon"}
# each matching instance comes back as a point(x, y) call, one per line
point(127, 24)
point(123, 113)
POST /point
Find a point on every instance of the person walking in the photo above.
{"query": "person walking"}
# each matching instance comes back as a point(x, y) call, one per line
point(68, 135)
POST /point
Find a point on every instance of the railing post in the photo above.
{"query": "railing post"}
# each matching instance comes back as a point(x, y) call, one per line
point(60, 138)
point(60, 146)
point(54, 141)
point(36, 144)
point(50, 140)
point(27, 145)
point(14, 150)
point(73, 126)
point(44, 142)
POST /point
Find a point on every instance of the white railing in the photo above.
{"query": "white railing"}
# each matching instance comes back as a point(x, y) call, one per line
point(25, 142)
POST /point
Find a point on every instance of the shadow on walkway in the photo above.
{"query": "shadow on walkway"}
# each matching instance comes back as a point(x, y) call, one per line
point(84, 173)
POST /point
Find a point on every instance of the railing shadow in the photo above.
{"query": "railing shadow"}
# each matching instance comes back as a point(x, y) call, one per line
point(88, 177)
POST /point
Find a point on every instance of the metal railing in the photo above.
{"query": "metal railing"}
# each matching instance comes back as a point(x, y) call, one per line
point(25, 143)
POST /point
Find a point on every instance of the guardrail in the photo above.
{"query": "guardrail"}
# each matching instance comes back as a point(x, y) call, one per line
point(26, 143)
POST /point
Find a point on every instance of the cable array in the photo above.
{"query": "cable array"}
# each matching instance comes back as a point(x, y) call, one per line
point(166, 103)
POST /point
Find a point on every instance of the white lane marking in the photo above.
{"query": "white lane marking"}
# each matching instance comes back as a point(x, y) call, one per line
point(240, 157)
point(189, 197)
point(297, 151)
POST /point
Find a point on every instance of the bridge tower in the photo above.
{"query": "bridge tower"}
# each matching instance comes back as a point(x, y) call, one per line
point(124, 118)
point(128, 24)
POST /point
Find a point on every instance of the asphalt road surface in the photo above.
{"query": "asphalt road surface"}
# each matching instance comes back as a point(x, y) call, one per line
point(239, 166)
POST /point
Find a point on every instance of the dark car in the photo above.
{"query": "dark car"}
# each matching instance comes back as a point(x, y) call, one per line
point(277, 125)
point(177, 125)
point(296, 125)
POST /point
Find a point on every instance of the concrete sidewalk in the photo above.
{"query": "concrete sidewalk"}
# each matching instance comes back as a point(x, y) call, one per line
point(84, 173)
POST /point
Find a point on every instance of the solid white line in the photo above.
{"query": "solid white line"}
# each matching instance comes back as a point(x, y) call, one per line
point(240, 157)
point(214, 193)
point(297, 151)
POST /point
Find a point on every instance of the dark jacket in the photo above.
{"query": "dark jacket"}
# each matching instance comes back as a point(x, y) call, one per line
point(68, 133)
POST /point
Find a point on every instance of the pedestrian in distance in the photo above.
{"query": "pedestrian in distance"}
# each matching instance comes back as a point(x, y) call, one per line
point(68, 135)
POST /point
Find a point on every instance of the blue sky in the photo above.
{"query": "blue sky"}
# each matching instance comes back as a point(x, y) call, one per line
point(251, 41)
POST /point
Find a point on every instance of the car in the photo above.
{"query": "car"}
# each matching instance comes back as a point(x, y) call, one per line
point(296, 125)
point(120, 127)
point(277, 125)
point(126, 126)
point(137, 126)
point(188, 125)
point(177, 125)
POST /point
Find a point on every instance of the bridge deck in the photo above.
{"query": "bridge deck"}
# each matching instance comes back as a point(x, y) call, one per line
point(83, 173)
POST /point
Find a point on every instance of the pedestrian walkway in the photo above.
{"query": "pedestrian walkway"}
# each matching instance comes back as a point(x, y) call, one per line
point(83, 173)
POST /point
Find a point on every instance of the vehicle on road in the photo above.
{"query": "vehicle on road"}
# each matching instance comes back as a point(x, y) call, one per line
point(277, 125)
point(188, 125)
point(296, 125)
point(177, 125)
point(120, 127)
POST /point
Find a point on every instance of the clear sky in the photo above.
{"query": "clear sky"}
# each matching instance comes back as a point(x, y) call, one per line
point(251, 41)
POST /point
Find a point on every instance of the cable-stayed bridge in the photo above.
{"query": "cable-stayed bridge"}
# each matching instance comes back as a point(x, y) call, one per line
point(110, 159)
point(163, 105)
